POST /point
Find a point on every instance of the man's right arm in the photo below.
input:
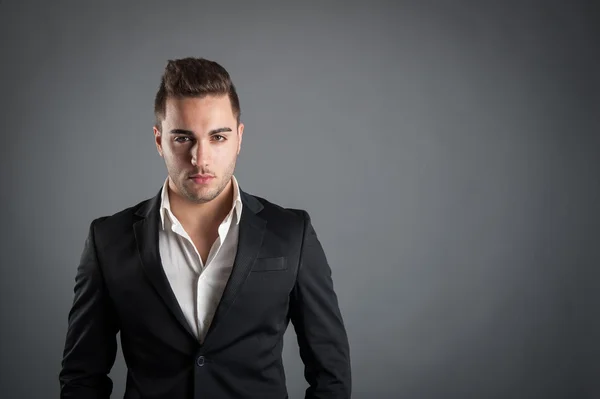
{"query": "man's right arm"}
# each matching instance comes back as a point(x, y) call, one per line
point(91, 343)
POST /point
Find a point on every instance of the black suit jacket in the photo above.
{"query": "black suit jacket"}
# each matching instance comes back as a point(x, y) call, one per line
point(280, 274)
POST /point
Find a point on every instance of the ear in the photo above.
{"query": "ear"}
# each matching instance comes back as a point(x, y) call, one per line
point(240, 134)
point(158, 140)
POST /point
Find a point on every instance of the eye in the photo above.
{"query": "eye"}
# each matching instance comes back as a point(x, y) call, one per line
point(218, 135)
point(181, 139)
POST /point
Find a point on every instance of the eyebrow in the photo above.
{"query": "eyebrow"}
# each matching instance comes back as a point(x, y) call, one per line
point(191, 133)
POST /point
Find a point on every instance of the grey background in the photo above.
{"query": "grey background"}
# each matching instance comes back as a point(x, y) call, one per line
point(448, 153)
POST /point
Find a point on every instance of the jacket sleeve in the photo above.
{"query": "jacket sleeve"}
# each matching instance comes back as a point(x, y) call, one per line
point(315, 314)
point(91, 343)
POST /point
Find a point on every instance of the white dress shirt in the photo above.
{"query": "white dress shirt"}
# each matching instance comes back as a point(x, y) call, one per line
point(198, 287)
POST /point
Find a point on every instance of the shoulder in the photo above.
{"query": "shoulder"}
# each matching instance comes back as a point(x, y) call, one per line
point(112, 227)
point(282, 221)
point(276, 212)
point(285, 226)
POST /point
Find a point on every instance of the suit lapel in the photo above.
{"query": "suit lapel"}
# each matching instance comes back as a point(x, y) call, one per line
point(146, 235)
point(251, 233)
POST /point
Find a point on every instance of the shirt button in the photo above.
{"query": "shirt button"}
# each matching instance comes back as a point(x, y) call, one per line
point(200, 361)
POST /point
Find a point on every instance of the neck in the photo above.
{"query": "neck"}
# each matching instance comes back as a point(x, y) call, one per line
point(205, 216)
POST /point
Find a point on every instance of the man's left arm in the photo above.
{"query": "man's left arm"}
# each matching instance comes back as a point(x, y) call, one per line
point(317, 320)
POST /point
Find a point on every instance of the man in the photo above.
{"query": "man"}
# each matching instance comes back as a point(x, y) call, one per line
point(202, 279)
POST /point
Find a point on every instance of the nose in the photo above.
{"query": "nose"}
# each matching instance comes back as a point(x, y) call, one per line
point(201, 153)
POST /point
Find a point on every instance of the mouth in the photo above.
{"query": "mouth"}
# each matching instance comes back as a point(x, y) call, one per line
point(201, 179)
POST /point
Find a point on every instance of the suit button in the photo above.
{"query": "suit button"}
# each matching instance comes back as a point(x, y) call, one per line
point(200, 361)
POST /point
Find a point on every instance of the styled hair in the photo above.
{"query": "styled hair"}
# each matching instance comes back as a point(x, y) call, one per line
point(193, 77)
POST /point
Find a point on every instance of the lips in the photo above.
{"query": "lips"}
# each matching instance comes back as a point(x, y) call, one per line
point(201, 179)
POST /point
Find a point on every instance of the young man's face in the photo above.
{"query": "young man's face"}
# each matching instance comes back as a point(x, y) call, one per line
point(199, 136)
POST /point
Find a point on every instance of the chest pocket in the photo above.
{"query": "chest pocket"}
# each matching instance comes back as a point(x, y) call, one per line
point(270, 264)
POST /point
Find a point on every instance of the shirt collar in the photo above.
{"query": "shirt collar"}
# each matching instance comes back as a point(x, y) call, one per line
point(165, 204)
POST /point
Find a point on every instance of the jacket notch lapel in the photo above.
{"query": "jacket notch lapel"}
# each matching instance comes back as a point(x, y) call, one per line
point(146, 236)
point(251, 234)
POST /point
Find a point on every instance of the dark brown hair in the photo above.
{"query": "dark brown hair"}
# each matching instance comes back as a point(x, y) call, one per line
point(193, 77)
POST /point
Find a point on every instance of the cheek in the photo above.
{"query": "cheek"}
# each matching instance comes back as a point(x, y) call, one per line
point(223, 155)
point(174, 160)
point(178, 153)
point(232, 156)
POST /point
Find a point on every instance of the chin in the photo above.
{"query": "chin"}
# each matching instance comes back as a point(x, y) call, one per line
point(205, 193)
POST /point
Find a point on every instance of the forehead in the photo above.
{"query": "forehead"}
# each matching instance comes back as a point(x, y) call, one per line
point(198, 111)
